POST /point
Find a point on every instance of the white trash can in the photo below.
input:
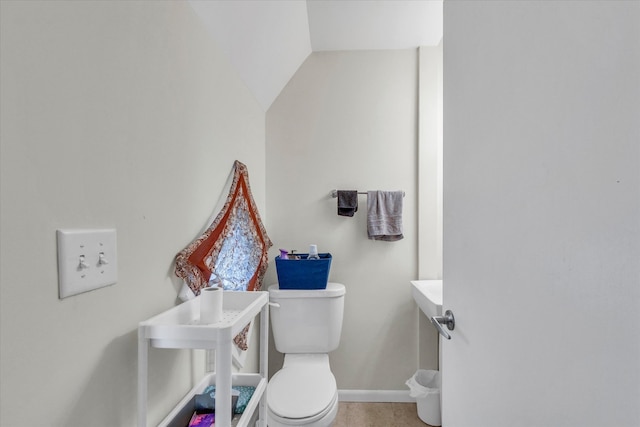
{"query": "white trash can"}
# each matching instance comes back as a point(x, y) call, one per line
point(425, 386)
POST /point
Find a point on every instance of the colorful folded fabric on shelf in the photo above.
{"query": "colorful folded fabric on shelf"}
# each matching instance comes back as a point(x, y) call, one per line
point(243, 397)
point(204, 403)
point(202, 420)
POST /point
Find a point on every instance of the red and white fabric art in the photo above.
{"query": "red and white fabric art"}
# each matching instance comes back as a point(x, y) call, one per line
point(233, 249)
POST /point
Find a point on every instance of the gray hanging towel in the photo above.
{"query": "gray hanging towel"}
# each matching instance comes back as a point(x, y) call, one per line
point(347, 202)
point(384, 215)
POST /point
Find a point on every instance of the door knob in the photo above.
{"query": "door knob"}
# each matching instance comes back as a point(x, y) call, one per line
point(448, 320)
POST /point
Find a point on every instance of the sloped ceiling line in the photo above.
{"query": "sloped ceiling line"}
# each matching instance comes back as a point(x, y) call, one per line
point(267, 40)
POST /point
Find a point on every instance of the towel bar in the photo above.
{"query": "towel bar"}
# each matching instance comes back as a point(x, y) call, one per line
point(334, 193)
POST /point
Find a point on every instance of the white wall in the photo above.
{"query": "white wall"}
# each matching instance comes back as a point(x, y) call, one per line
point(349, 120)
point(429, 189)
point(113, 114)
point(266, 41)
point(430, 161)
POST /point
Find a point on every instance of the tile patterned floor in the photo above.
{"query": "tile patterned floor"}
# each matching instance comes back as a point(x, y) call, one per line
point(357, 414)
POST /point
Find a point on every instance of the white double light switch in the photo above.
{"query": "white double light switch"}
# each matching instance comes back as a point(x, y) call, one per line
point(87, 260)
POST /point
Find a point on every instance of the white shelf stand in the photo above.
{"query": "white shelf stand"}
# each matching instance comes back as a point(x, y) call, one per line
point(179, 328)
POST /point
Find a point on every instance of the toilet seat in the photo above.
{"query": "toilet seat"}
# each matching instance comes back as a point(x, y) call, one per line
point(323, 419)
point(303, 391)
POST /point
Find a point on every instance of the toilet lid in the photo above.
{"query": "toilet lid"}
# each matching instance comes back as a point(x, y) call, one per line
point(299, 392)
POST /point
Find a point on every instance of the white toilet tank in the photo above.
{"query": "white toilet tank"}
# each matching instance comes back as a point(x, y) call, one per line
point(307, 321)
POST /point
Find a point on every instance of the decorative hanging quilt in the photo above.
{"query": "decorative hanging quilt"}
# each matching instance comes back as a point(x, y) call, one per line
point(232, 250)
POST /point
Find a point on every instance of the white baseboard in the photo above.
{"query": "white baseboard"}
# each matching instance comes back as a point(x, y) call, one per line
point(375, 396)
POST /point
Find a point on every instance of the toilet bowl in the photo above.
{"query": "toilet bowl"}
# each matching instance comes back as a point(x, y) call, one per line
point(306, 326)
point(303, 392)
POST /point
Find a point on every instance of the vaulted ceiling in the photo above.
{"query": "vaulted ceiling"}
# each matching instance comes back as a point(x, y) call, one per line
point(267, 40)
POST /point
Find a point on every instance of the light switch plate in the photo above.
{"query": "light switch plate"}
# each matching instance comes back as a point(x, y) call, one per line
point(87, 260)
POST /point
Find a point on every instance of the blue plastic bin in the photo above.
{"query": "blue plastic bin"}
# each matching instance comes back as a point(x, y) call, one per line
point(303, 273)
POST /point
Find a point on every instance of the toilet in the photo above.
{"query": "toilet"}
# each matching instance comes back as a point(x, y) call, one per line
point(306, 326)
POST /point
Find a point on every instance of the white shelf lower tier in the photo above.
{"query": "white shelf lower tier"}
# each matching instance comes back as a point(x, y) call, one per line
point(181, 414)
